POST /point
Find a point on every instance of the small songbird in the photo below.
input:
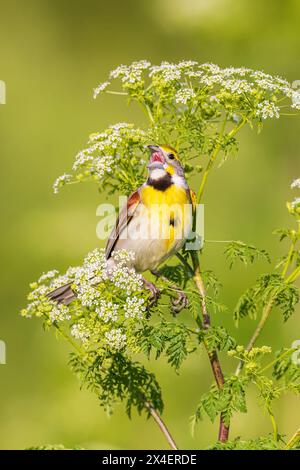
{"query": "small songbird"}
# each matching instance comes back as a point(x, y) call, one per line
point(154, 224)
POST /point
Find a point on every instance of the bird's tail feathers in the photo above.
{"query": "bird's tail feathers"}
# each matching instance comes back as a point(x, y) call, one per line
point(65, 295)
point(62, 295)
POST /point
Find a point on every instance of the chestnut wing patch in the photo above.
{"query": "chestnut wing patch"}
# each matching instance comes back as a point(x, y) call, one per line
point(123, 220)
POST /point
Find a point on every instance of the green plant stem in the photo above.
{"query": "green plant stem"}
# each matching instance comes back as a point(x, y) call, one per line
point(161, 425)
point(150, 114)
point(288, 260)
point(110, 92)
point(211, 162)
point(155, 415)
point(295, 274)
point(279, 358)
point(212, 355)
point(274, 425)
point(265, 315)
point(215, 153)
point(293, 441)
point(185, 264)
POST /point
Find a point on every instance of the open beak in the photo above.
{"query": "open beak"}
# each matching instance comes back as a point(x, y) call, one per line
point(157, 160)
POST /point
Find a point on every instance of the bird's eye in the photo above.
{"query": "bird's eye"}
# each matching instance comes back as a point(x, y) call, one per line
point(171, 156)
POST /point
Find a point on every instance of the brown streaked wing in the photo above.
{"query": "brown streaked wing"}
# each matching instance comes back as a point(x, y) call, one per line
point(123, 220)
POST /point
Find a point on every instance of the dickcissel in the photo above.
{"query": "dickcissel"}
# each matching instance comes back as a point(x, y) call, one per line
point(153, 225)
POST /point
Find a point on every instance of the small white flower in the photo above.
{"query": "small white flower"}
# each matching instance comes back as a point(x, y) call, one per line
point(232, 71)
point(37, 293)
point(134, 307)
point(79, 332)
point(82, 158)
point(295, 203)
point(166, 72)
point(61, 181)
point(87, 294)
point(295, 96)
point(211, 80)
point(123, 255)
point(115, 338)
point(296, 184)
point(30, 309)
point(209, 67)
point(131, 74)
point(100, 88)
point(120, 125)
point(237, 86)
point(125, 278)
point(266, 109)
point(187, 64)
point(184, 95)
point(193, 73)
point(101, 165)
point(47, 276)
point(108, 311)
point(59, 312)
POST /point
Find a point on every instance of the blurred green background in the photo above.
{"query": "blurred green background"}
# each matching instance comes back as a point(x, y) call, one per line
point(52, 54)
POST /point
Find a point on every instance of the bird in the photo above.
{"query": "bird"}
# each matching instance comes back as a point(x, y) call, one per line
point(153, 225)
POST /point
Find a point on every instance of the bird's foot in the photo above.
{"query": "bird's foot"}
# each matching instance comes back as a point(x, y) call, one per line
point(180, 302)
point(154, 293)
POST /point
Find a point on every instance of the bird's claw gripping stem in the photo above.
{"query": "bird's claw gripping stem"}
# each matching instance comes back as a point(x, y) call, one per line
point(180, 302)
point(154, 293)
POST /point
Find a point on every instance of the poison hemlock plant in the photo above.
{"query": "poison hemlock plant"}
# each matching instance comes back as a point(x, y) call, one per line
point(200, 109)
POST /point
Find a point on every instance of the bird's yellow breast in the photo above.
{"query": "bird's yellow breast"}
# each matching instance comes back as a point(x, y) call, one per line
point(172, 195)
point(170, 213)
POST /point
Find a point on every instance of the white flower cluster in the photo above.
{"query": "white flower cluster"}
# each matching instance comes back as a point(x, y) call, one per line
point(296, 184)
point(99, 159)
point(94, 273)
point(135, 307)
point(295, 99)
point(267, 109)
point(296, 202)
point(166, 72)
point(108, 311)
point(59, 312)
point(114, 136)
point(101, 165)
point(187, 64)
point(47, 276)
point(131, 74)
point(61, 181)
point(37, 292)
point(97, 165)
point(31, 308)
point(79, 332)
point(88, 295)
point(108, 299)
point(184, 95)
point(182, 81)
point(126, 279)
point(100, 88)
point(122, 276)
point(115, 338)
point(123, 256)
point(238, 86)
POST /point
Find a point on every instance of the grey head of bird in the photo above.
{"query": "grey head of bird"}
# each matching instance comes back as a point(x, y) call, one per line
point(164, 160)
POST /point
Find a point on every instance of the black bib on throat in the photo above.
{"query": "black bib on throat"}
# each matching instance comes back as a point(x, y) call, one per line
point(161, 184)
